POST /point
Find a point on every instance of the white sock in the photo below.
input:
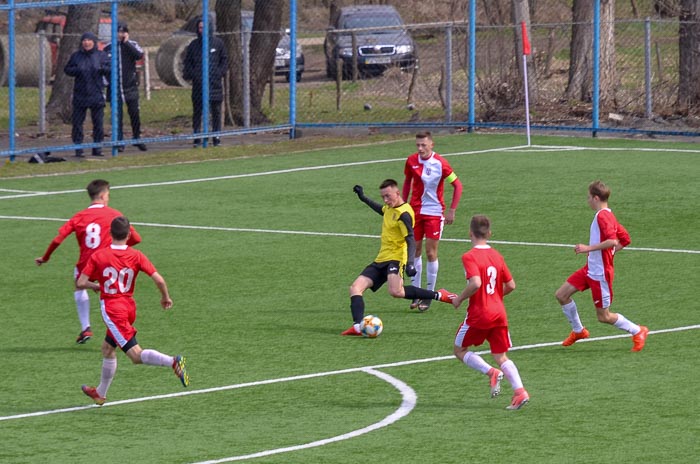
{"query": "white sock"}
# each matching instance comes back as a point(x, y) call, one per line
point(156, 358)
point(418, 263)
point(109, 368)
point(625, 324)
point(476, 362)
point(511, 372)
point(82, 302)
point(431, 274)
point(571, 313)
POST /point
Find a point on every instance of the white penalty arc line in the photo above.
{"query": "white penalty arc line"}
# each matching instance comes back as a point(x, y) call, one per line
point(408, 403)
point(339, 234)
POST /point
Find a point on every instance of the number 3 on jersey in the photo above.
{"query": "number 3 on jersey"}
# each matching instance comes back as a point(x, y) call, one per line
point(92, 236)
point(123, 280)
point(491, 286)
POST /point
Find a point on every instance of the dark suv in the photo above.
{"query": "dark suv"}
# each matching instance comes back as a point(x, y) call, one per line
point(381, 40)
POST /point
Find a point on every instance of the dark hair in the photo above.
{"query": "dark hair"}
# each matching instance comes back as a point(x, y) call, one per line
point(96, 187)
point(480, 226)
point(120, 228)
point(599, 189)
point(424, 135)
point(122, 27)
point(388, 183)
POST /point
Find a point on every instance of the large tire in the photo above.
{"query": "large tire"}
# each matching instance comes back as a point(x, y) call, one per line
point(27, 64)
point(170, 59)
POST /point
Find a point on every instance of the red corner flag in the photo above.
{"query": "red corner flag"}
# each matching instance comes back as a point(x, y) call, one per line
point(526, 42)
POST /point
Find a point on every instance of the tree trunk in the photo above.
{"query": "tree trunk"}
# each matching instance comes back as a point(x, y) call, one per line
point(689, 55)
point(267, 17)
point(608, 76)
point(80, 19)
point(268, 20)
point(580, 85)
point(580, 65)
point(521, 12)
point(228, 19)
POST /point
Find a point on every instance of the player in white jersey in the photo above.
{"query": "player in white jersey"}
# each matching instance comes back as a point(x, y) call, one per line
point(425, 175)
point(606, 238)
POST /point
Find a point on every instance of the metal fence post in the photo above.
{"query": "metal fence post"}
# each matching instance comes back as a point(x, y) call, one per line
point(246, 78)
point(448, 73)
point(647, 65)
point(42, 82)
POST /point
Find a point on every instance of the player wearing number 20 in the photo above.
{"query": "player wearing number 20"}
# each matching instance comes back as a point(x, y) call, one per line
point(112, 271)
point(91, 228)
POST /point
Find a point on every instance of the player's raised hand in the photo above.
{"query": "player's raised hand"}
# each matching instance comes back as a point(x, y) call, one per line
point(358, 190)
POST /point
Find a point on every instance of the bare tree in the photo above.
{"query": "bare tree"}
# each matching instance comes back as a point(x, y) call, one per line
point(521, 12)
point(80, 19)
point(228, 19)
point(580, 85)
point(267, 23)
point(608, 76)
point(689, 56)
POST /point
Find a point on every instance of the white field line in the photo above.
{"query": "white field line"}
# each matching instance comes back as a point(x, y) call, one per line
point(240, 176)
point(409, 399)
point(319, 374)
point(337, 234)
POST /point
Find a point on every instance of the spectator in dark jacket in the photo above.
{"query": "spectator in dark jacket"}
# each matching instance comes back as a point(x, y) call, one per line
point(90, 68)
point(218, 62)
point(128, 53)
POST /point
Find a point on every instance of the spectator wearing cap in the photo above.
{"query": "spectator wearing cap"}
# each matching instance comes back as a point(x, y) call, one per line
point(128, 53)
point(90, 68)
point(192, 71)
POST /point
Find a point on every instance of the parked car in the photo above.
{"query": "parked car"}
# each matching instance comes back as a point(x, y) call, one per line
point(383, 42)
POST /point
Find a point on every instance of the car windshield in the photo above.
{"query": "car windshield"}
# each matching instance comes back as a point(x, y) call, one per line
point(366, 20)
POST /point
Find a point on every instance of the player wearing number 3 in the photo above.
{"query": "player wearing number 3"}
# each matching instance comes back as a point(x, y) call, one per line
point(91, 227)
point(115, 269)
point(488, 281)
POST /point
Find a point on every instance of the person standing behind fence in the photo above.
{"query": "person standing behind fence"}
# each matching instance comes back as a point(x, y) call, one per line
point(129, 52)
point(90, 68)
point(218, 62)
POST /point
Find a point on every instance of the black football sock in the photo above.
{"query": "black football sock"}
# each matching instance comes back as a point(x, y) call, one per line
point(417, 293)
point(357, 307)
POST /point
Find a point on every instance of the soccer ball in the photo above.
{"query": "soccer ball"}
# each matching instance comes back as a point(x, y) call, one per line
point(371, 326)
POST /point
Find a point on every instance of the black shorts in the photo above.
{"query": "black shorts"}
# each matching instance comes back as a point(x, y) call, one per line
point(129, 345)
point(378, 272)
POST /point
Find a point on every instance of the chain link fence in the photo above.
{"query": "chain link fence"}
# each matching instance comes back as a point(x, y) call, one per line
point(364, 87)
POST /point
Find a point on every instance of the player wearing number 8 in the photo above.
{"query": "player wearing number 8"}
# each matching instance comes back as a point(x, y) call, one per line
point(91, 228)
point(115, 270)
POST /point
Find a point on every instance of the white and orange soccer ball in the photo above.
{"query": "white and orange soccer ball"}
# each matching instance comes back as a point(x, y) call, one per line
point(371, 326)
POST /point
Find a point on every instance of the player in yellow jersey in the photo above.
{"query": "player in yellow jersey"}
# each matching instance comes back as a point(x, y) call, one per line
point(397, 244)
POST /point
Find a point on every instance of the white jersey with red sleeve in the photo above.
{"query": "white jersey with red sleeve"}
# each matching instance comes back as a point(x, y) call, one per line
point(605, 227)
point(116, 268)
point(427, 183)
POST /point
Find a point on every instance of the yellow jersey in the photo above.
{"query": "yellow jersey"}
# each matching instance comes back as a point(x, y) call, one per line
point(394, 232)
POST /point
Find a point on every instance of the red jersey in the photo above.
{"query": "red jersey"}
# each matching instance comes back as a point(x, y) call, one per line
point(91, 227)
point(486, 309)
point(116, 268)
point(426, 179)
point(605, 227)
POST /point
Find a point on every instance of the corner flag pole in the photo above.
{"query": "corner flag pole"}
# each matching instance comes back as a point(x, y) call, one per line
point(526, 52)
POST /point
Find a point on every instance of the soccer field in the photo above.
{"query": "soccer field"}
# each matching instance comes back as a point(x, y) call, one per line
point(259, 253)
